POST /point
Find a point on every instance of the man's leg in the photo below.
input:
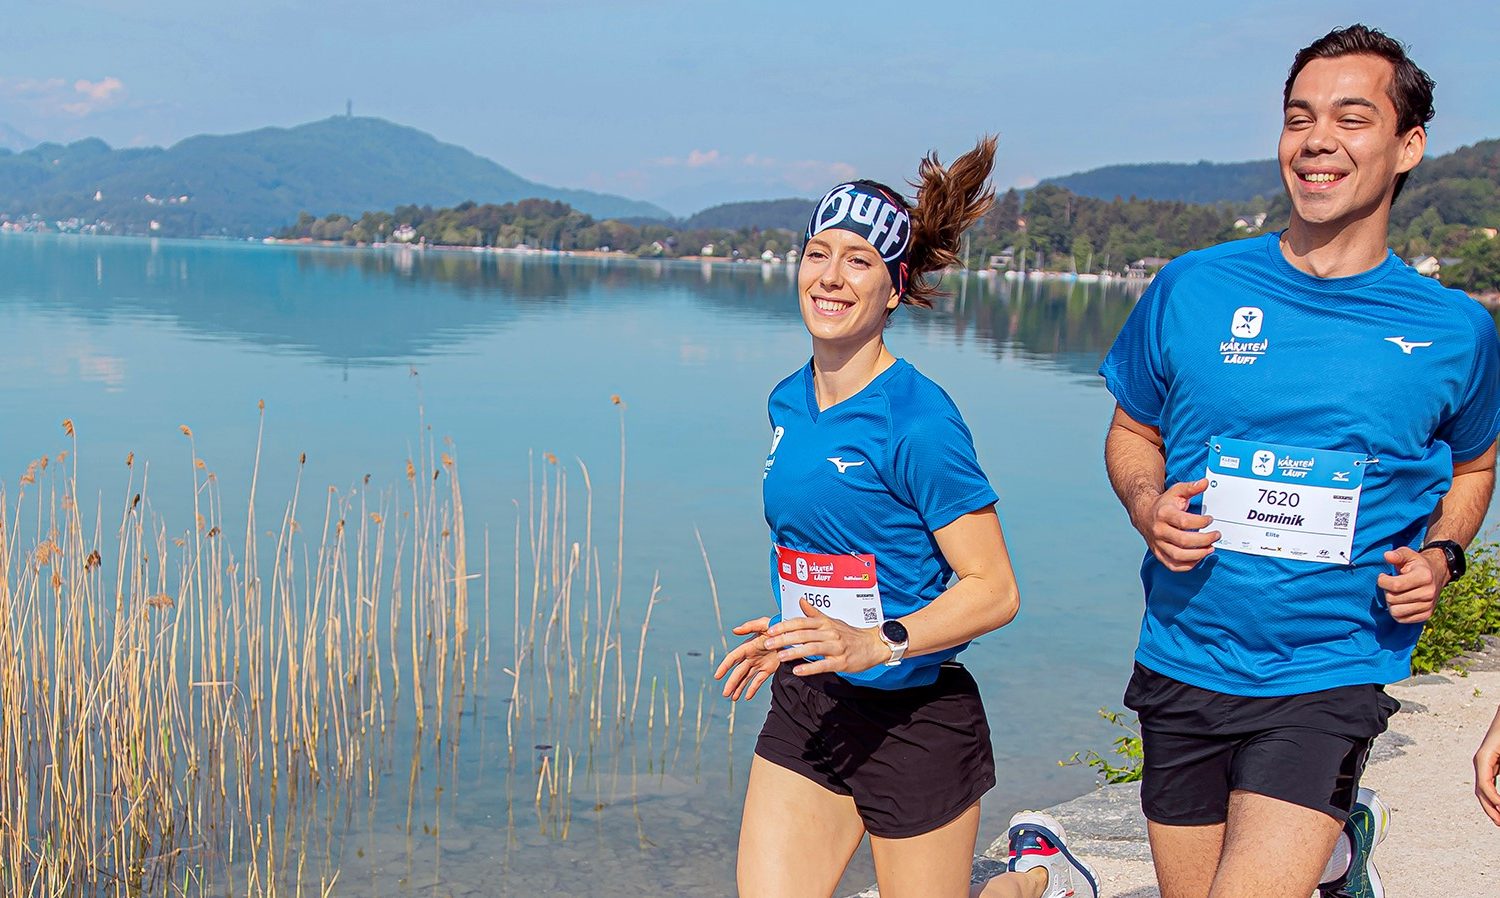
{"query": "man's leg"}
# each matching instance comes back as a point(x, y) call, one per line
point(936, 864)
point(1301, 837)
point(1186, 858)
point(796, 837)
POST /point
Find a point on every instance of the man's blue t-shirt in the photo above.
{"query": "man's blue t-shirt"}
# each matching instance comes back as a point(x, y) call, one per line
point(875, 474)
point(1233, 341)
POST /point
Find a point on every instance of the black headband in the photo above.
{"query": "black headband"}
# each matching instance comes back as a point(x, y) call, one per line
point(874, 213)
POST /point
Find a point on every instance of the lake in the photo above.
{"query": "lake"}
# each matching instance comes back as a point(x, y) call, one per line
point(509, 368)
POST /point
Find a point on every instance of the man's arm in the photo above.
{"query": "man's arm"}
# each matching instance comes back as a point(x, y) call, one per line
point(1134, 457)
point(1412, 591)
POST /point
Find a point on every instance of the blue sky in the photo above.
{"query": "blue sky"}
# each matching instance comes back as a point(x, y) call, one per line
point(691, 103)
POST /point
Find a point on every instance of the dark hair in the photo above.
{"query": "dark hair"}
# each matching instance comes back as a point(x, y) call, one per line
point(949, 200)
point(1411, 88)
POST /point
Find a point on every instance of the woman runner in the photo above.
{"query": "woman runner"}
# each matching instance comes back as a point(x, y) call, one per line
point(875, 502)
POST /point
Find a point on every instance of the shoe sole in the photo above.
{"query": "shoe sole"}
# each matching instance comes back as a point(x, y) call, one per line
point(1382, 814)
point(1054, 833)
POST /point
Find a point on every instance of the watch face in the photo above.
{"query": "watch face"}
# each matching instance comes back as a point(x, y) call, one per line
point(894, 632)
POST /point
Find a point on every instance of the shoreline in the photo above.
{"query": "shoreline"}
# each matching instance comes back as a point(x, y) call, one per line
point(1440, 843)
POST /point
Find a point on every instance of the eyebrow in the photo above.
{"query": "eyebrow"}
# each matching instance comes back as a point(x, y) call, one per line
point(1339, 103)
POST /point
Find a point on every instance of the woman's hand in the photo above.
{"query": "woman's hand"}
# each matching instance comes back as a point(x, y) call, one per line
point(752, 661)
point(843, 647)
point(1486, 768)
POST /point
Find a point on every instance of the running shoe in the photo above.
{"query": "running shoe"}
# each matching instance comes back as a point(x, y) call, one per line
point(1365, 829)
point(1038, 840)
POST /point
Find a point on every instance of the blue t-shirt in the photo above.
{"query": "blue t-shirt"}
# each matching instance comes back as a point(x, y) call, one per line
point(905, 468)
point(1234, 341)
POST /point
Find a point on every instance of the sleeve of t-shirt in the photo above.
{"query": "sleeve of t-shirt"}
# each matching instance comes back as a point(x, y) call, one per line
point(1471, 428)
point(936, 470)
point(1133, 369)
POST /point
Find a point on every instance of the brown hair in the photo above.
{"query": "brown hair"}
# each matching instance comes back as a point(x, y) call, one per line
point(1411, 88)
point(949, 200)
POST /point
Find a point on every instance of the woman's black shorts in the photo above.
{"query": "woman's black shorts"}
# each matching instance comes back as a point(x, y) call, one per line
point(913, 759)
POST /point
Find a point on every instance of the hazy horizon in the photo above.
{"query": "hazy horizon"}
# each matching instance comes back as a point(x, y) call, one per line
point(692, 105)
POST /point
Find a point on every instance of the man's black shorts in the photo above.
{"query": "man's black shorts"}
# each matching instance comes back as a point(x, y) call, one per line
point(1201, 745)
point(913, 759)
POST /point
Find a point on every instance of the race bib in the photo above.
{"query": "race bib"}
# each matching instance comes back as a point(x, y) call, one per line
point(841, 586)
point(1283, 501)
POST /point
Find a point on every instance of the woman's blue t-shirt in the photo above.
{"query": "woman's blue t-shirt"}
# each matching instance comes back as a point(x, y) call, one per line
point(875, 474)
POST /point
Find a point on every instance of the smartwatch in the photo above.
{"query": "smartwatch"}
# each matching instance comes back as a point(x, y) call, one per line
point(893, 633)
point(1453, 554)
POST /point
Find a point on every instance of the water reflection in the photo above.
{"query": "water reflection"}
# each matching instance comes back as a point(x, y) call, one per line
point(375, 307)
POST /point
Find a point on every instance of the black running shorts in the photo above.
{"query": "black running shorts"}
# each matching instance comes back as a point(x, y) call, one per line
point(913, 759)
point(1200, 745)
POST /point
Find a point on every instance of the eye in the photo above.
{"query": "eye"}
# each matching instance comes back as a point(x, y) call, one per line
point(859, 261)
point(1297, 121)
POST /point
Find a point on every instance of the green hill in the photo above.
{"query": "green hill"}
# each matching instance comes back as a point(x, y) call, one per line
point(256, 182)
point(788, 215)
point(1183, 182)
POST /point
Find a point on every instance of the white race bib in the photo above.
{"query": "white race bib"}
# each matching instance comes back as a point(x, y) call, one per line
point(1284, 501)
point(841, 586)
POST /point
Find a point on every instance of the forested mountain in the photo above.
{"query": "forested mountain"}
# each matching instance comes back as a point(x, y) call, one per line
point(253, 183)
point(788, 214)
point(1187, 182)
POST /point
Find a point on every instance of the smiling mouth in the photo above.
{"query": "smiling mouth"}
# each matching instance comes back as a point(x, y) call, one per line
point(830, 306)
point(1321, 178)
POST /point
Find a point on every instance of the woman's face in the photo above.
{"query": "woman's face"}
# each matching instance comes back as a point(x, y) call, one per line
point(844, 288)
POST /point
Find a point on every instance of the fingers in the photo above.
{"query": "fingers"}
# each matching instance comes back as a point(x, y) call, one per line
point(825, 665)
point(1177, 536)
point(1486, 766)
point(1187, 489)
point(1411, 592)
point(755, 683)
point(809, 609)
point(758, 625)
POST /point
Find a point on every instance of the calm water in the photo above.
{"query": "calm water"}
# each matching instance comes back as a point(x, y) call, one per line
point(353, 352)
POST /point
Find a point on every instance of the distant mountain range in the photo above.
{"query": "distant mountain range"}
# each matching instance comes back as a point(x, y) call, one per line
point(256, 182)
point(11, 139)
point(1187, 182)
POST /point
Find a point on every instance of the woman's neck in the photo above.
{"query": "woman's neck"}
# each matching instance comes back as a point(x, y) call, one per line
point(839, 374)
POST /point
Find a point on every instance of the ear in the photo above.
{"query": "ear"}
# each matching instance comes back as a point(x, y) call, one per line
point(894, 301)
point(1412, 150)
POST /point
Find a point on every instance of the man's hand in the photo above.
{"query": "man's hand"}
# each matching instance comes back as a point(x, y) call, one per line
point(1174, 534)
point(1412, 591)
point(843, 647)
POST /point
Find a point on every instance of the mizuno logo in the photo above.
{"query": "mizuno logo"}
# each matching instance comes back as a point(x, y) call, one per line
point(838, 462)
point(1341, 476)
point(1405, 346)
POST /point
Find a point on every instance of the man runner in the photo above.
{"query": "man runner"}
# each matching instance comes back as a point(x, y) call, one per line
point(1304, 435)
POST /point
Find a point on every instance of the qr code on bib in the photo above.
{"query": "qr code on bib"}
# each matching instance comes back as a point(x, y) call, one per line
point(869, 615)
point(1341, 520)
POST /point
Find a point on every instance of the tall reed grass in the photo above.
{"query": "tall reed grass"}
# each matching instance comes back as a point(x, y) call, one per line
point(208, 708)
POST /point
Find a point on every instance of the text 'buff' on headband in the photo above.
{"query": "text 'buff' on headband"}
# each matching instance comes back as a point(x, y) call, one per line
point(869, 210)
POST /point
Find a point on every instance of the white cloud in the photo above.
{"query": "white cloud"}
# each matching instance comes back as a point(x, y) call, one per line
point(94, 94)
point(47, 97)
point(803, 174)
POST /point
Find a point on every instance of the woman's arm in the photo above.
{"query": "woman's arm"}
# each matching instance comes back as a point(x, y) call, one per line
point(984, 598)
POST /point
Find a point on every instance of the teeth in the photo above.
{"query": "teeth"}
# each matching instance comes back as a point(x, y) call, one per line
point(829, 306)
point(1321, 177)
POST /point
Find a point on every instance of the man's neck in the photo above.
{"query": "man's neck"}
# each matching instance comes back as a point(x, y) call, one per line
point(1337, 249)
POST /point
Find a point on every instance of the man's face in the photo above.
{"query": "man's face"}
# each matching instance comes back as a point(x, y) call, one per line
point(1340, 152)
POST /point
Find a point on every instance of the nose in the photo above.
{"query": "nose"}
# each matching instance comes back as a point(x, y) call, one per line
point(1321, 138)
point(831, 276)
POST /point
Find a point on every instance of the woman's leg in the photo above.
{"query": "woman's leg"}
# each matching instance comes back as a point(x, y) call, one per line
point(936, 864)
point(796, 837)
